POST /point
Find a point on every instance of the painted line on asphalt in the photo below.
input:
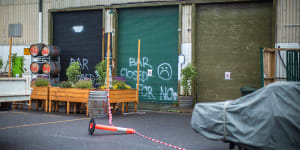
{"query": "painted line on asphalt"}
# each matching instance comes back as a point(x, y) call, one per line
point(13, 112)
point(44, 123)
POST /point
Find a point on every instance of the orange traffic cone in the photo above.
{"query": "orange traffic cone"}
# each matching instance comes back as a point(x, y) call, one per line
point(93, 126)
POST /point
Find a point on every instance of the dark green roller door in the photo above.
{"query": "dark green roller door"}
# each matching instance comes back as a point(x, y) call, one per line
point(228, 39)
point(157, 27)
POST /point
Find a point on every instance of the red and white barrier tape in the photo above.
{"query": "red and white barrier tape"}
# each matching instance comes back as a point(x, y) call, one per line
point(157, 141)
point(139, 134)
point(109, 111)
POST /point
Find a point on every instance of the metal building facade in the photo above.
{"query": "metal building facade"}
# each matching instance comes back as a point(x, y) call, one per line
point(288, 24)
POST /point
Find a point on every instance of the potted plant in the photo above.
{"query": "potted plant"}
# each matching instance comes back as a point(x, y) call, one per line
point(40, 91)
point(188, 74)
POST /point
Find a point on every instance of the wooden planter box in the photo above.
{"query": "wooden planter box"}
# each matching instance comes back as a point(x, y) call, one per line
point(124, 96)
point(77, 95)
point(68, 95)
point(39, 93)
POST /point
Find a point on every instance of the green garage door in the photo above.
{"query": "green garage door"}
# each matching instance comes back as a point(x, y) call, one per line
point(228, 39)
point(157, 27)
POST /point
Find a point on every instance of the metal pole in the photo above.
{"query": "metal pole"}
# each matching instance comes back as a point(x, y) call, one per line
point(40, 21)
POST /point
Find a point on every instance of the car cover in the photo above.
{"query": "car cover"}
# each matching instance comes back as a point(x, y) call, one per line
point(267, 119)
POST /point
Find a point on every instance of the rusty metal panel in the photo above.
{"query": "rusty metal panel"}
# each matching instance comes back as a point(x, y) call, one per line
point(288, 21)
point(187, 23)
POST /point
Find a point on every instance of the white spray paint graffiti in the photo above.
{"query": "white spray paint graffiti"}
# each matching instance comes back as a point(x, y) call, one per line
point(84, 66)
point(132, 74)
point(144, 62)
point(83, 63)
point(146, 91)
point(164, 71)
point(167, 93)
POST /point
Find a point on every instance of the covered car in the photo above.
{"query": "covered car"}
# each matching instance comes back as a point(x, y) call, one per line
point(267, 119)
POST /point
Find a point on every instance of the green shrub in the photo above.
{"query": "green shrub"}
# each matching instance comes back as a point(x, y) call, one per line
point(101, 69)
point(188, 73)
point(41, 82)
point(17, 65)
point(1, 62)
point(65, 84)
point(73, 72)
point(84, 84)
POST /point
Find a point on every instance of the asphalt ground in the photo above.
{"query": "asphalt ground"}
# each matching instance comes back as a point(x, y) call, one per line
point(31, 130)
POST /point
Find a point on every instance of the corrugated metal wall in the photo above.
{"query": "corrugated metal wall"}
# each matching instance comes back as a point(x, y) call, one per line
point(288, 21)
point(26, 13)
point(187, 23)
point(15, 12)
point(109, 24)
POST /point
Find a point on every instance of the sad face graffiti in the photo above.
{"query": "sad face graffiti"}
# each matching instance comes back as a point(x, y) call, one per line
point(164, 71)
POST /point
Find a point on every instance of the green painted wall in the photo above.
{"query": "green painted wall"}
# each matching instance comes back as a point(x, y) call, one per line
point(228, 39)
point(157, 27)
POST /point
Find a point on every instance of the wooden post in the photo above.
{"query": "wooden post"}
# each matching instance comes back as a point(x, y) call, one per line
point(21, 105)
point(107, 62)
point(56, 106)
point(127, 107)
point(46, 105)
point(43, 104)
point(74, 108)
point(107, 67)
point(87, 109)
point(30, 102)
point(122, 109)
point(138, 76)
point(9, 57)
point(49, 105)
point(68, 107)
point(37, 105)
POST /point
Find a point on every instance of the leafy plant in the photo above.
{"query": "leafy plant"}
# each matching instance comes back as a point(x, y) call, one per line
point(119, 83)
point(17, 64)
point(104, 87)
point(84, 84)
point(73, 72)
point(1, 62)
point(65, 84)
point(188, 73)
point(101, 69)
point(41, 82)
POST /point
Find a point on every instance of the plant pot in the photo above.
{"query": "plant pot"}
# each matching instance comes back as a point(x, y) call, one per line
point(185, 101)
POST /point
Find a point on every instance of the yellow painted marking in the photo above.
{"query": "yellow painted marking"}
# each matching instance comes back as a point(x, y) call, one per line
point(44, 123)
point(13, 112)
point(18, 112)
